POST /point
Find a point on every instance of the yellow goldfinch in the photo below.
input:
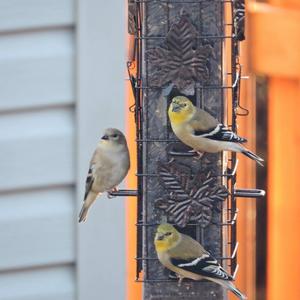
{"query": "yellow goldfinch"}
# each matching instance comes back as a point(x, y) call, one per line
point(188, 259)
point(108, 167)
point(202, 132)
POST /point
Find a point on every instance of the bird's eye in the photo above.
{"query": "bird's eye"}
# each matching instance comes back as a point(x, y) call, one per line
point(168, 233)
point(184, 104)
point(114, 135)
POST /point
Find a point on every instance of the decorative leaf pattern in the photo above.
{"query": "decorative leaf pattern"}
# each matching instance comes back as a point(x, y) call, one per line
point(180, 60)
point(190, 197)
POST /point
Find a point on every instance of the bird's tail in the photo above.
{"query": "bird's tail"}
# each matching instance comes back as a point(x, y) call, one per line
point(234, 290)
point(239, 148)
point(91, 197)
point(83, 213)
point(253, 156)
point(230, 286)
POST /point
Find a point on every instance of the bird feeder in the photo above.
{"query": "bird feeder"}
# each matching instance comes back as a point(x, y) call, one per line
point(188, 48)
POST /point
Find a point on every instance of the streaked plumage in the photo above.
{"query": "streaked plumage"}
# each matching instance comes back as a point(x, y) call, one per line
point(188, 259)
point(108, 167)
point(201, 131)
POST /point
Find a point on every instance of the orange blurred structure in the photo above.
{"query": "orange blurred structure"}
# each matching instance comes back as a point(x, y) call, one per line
point(275, 32)
point(133, 288)
point(246, 222)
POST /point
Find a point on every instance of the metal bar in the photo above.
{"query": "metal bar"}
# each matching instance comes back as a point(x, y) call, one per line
point(201, 37)
point(204, 87)
point(124, 193)
point(139, 133)
point(249, 193)
point(232, 171)
point(235, 271)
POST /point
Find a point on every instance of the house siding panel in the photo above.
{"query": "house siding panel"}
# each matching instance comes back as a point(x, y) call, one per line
point(39, 228)
point(37, 150)
point(31, 14)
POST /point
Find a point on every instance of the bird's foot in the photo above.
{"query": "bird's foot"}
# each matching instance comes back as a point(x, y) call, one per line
point(109, 195)
point(192, 151)
point(180, 279)
point(200, 154)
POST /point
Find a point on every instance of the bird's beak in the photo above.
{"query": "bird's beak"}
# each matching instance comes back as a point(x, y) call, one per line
point(105, 137)
point(175, 107)
point(159, 237)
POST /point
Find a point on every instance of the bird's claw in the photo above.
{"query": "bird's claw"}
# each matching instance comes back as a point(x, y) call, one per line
point(109, 195)
point(200, 154)
point(180, 279)
point(192, 151)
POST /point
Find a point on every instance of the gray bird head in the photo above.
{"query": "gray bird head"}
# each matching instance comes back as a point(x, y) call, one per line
point(114, 136)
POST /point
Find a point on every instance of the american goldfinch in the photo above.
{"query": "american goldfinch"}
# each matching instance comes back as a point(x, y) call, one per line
point(108, 167)
point(201, 131)
point(188, 259)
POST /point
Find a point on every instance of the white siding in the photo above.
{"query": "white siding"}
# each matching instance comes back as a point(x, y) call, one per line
point(37, 147)
point(36, 69)
point(32, 14)
point(55, 283)
point(39, 228)
point(61, 85)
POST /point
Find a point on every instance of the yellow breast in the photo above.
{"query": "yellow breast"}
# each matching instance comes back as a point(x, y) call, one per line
point(178, 117)
point(161, 246)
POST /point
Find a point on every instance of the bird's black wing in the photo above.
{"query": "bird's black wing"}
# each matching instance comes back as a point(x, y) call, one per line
point(221, 133)
point(89, 181)
point(205, 265)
